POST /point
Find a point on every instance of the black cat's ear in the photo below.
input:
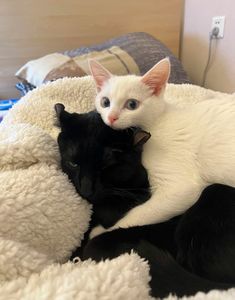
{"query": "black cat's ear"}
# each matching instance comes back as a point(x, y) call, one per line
point(141, 137)
point(59, 107)
point(63, 117)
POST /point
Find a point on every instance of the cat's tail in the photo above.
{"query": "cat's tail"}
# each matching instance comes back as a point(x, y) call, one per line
point(168, 277)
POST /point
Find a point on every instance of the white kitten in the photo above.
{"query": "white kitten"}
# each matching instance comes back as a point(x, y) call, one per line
point(190, 147)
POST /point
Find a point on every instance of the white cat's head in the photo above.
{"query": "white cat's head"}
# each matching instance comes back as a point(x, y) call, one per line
point(130, 100)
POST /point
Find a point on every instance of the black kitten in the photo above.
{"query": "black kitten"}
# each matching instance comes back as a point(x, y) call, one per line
point(105, 167)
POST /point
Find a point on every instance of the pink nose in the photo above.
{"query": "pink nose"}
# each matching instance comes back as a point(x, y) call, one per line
point(112, 119)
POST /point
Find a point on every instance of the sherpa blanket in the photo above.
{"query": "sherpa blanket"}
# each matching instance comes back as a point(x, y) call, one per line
point(42, 218)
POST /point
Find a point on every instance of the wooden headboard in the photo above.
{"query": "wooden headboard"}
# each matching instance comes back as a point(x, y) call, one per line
point(30, 29)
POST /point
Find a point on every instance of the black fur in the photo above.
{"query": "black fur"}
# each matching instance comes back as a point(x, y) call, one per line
point(205, 235)
point(109, 174)
point(169, 277)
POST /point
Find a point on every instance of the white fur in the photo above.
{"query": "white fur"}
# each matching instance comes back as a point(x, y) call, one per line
point(190, 147)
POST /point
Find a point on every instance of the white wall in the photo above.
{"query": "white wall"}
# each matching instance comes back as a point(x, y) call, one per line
point(194, 49)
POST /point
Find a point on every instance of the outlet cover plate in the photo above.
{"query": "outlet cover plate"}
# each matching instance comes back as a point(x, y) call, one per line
point(219, 21)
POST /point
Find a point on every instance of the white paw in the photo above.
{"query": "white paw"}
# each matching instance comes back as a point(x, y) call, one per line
point(96, 231)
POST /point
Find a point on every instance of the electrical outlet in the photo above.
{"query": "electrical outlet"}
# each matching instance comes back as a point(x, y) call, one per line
point(218, 22)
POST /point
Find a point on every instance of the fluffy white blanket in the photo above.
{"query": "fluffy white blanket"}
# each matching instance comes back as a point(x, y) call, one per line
point(42, 219)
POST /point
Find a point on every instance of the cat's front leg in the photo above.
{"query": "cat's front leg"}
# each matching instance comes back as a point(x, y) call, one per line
point(165, 203)
point(113, 244)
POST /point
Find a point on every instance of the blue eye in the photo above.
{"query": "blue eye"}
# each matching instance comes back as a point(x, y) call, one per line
point(132, 104)
point(105, 102)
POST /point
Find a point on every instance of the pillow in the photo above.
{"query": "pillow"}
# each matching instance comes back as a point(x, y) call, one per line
point(116, 60)
point(144, 49)
point(54, 66)
point(36, 70)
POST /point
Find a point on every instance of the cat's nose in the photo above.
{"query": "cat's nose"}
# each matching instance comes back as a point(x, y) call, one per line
point(86, 187)
point(112, 118)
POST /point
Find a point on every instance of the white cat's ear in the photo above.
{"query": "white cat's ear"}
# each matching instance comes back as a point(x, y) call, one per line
point(99, 73)
point(157, 77)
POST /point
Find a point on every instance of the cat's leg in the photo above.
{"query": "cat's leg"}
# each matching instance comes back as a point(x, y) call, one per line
point(112, 244)
point(167, 201)
point(161, 235)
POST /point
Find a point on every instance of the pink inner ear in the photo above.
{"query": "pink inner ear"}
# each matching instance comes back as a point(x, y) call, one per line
point(99, 73)
point(157, 77)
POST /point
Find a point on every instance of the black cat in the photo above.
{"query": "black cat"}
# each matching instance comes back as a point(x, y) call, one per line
point(105, 167)
point(103, 164)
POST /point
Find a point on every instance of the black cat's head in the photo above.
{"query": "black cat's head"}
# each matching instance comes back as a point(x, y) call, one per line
point(98, 159)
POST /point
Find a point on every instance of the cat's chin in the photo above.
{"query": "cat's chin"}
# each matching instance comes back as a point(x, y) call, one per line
point(117, 127)
point(113, 126)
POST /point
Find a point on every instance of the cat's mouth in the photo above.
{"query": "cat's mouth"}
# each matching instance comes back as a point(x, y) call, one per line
point(112, 126)
point(110, 123)
point(115, 125)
